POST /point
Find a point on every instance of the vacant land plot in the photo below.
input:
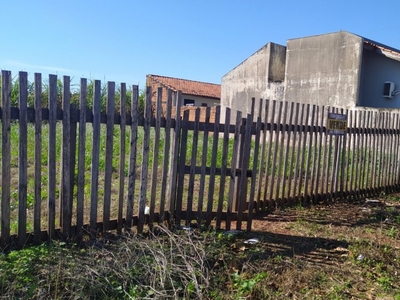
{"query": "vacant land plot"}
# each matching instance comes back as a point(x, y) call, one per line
point(331, 251)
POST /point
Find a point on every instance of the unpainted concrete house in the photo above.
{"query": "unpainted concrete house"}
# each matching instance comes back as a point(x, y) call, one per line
point(339, 69)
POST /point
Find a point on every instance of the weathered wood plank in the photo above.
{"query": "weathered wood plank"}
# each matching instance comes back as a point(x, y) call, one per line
point(38, 156)
point(232, 179)
point(51, 167)
point(181, 173)
point(6, 156)
point(280, 140)
point(94, 180)
point(286, 172)
point(319, 178)
point(224, 167)
point(193, 167)
point(293, 159)
point(255, 167)
point(244, 164)
point(65, 188)
point(298, 153)
point(315, 165)
point(166, 156)
point(110, 109)
point(262, 173)
point(174, 155)
point(22, 157)
point(268, 167)
point(203, 166)
point(145, 160)
point(80, 209)
point(122, 131)
point(156, 146)
point(307, 190)
point(303, 156)
point(211, 185)
point(132, 156)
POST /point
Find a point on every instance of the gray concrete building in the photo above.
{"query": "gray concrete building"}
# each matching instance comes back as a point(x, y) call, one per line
point(339, 69)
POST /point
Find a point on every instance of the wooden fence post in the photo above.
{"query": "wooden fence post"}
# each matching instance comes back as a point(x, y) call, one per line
point(22, 157)
point(94, 180)
point(81, 156)
point(6, 157)
point(38, 157)
point(51, 167)
point(65, 188)
point(110, 109)
point(132, 156)
point(122, 147)
point(145, 160)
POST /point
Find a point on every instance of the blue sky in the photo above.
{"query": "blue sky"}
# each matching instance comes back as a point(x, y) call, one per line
point(122, 41)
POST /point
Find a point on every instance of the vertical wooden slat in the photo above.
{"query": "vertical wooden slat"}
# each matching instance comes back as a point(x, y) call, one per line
point(369, 155)
point(328, 172)
point(325, 161)
point(319, 178)
point(351, 149)
point(51, 192)
point(262, 173)
point(307, 190)
point(94, 180)
point(81, 155)
point(274, 155)
point(287, 171)
point(315, 157)
point(394, 152)
point(145, 160)
point(6, 156)
point(381, 151)
point(156, 147)
point(166, 156)
point(358, 155)
point(267, 167)
point(232, 179)
point(22, 157)
point(122, 148)
point(193, 166)
point(132, 156)
point(203, 166)
point(280, 144)
point(224, 161)
point(38, 156)
point(244, 165)
point(299, 129)
point(302, 153)
point(110, 109)
point(181, 171)
point(335, 165)
point(343, 163)
point(65, 188)
point(397, 154)
point(213, 165)
point(293, 142)
point(363, 153)
point(255, 168)
point(174, 155)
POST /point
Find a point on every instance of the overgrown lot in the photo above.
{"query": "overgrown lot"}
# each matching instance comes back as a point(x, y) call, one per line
point(327, 251)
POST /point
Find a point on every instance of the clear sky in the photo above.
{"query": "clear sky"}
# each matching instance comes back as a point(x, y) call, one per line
point(202, 40)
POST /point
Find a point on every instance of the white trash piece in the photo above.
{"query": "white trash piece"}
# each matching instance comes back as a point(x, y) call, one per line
point(252, 241)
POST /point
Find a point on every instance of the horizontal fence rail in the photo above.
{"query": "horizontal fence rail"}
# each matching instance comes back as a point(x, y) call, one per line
point(100, 158)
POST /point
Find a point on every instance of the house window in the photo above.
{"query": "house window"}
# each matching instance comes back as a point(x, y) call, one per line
point(188, 102)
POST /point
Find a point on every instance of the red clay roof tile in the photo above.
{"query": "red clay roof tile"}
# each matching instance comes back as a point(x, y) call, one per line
point(190, 87)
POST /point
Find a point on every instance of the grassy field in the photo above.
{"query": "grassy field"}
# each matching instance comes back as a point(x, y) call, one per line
point(332, 251)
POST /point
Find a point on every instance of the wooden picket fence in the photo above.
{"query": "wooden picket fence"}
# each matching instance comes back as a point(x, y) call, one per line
point(174, 166)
